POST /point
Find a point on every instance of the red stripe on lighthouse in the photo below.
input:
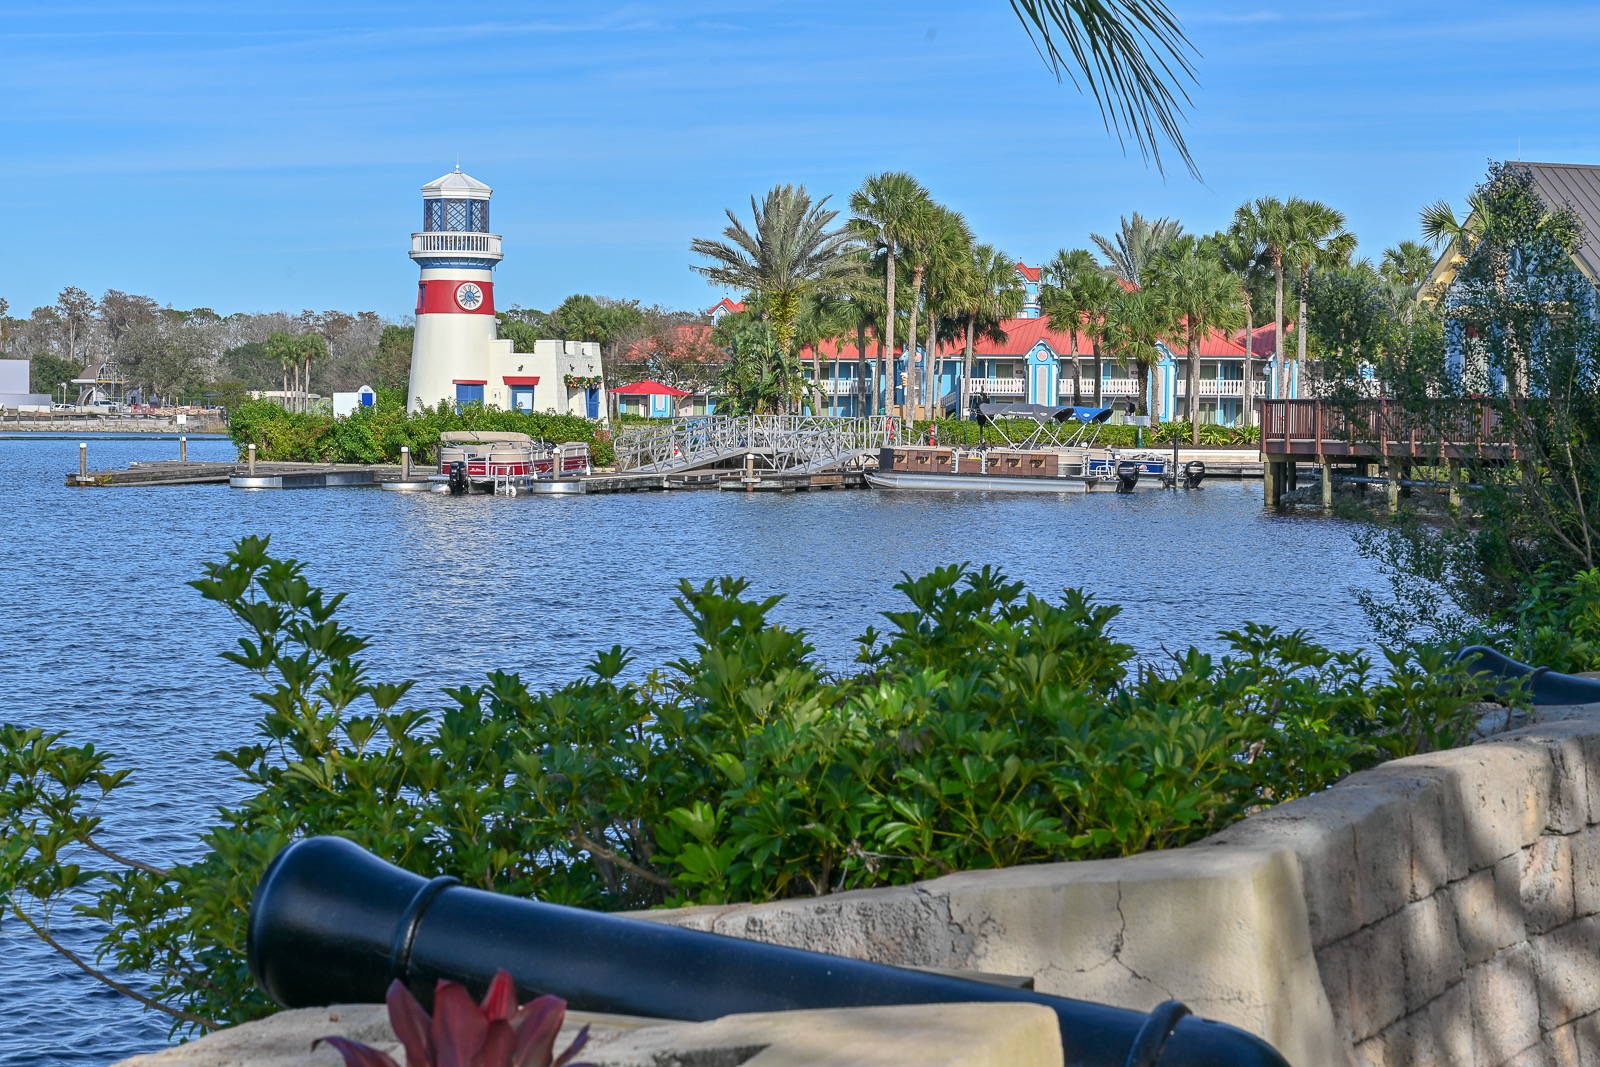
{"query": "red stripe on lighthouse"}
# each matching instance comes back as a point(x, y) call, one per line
point(446, 296)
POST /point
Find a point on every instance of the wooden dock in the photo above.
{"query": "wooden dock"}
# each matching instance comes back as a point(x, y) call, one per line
point(1371, 435)
point(177, 472)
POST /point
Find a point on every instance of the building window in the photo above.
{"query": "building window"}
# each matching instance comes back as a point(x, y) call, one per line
point(468, 394)
point(521, 398)
point(455, 216)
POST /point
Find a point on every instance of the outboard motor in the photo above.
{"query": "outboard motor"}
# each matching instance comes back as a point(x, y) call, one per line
point(333, 924)
point(458, 478)
point(1127, 475)
point(1194, 472)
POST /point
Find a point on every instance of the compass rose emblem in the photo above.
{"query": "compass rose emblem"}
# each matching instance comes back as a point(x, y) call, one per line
point(469, 296)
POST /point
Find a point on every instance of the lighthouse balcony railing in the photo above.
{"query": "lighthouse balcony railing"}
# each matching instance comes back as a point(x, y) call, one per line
point(447, 243)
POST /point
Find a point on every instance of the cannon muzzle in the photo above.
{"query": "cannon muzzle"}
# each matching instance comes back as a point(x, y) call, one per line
point(331, 923)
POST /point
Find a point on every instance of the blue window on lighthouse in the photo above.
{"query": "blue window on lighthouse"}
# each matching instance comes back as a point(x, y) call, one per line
point(468, 394)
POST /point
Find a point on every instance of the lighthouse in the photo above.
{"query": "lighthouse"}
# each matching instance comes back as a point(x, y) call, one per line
point(455, 298)
point(456, 357)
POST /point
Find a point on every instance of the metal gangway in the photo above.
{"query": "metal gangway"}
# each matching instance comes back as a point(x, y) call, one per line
point(792, 444)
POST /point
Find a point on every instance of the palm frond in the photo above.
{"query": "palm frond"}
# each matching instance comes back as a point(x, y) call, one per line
point(1134, 59)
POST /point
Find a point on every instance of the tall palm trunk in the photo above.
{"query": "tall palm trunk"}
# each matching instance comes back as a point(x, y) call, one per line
point(1192, 372)
point(888, 329)
point(879, 399)
point(1249, 414)
point(861, 368)
point(930, 364)
point(1277, 319)
point(910, 383)
point(1072, 333)
point(966, 371)
point(1099, 369)
point(1142, 376)
point(1300, 330)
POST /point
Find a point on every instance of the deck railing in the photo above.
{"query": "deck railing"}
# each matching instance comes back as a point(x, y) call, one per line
point(1464, 429)
point(443, 243)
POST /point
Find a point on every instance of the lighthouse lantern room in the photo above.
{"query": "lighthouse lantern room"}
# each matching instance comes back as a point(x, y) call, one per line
point(456, 357)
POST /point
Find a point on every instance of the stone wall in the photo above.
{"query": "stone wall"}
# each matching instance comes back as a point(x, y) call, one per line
point(1443, 909)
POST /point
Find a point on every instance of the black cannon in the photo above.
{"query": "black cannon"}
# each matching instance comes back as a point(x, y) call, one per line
point(331, 923)
point(1194, 472)
point(1541, 685)
point(1127, 475)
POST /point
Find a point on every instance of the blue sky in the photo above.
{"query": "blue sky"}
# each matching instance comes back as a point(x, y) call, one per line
point(254, 157)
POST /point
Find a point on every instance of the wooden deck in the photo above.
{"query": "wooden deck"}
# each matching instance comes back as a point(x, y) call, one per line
point(1380, 430)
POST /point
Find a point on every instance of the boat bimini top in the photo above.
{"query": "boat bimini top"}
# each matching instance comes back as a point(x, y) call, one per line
point(1044, 417)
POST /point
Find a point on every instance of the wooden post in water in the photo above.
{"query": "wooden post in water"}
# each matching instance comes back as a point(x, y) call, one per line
point(1392, 472)
point(1327, 482)
point(252, 461)
point(1455, 484)
point(83, 459)
point(405, 463)
point(1269, 483)
point(183, 449)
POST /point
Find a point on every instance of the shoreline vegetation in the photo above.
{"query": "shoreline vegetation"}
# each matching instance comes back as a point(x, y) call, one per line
point(983, 727)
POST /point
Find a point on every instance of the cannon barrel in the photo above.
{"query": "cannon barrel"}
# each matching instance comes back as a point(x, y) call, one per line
point(1542, 685)
point(332, 923)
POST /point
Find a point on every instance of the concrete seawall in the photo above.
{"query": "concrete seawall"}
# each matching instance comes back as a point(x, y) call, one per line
point(1442, 909)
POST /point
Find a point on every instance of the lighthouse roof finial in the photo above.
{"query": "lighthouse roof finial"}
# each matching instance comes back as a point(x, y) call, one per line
point(456, 185)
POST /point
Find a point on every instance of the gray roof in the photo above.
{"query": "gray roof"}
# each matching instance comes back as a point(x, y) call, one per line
point(1577, 186)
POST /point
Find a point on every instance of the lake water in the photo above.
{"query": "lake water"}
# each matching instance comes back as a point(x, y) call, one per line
point(102, 639)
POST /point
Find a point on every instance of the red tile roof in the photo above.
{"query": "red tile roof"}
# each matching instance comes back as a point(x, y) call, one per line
point(1030, 273)
point(648, 389)
point(733, 306)
point(1023, 334)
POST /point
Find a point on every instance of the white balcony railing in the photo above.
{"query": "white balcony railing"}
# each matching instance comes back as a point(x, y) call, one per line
point(444, 244)
point(999, 386)
point(836, 386)
point(1215, 387)
point(1108, 387)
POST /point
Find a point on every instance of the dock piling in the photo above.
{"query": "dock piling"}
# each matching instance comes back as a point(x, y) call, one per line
point(252, 461)
point(405, 463)
point(183, 449)
point(1392, 472)
point(83, 459)
point(1327, 484)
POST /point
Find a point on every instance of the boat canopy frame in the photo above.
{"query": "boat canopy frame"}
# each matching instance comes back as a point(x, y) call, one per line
point(1046, 425)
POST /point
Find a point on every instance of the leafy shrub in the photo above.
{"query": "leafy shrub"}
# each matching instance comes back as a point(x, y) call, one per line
point(376, 434)
point(1556, 624)
point(985, 726)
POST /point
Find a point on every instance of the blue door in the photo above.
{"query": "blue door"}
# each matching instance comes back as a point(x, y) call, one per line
point(591, 397)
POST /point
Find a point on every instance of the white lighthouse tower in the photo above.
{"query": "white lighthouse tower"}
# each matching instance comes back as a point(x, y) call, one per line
point(455, 300)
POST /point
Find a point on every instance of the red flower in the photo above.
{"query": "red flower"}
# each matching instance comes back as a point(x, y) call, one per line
point(496, 1033)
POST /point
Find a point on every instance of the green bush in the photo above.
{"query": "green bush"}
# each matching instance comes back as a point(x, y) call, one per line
point(376, 434)
point(984, 727)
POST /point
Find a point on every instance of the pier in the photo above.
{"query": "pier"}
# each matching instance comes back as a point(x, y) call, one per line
point(1375, 435)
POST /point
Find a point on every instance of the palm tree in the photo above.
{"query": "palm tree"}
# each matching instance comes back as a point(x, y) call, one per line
point(1097, 290)
point(1138, 241)
point(1135, 319)
point(919, 247)
point(886, 208)
point(1266, 222)
point(789, 253)
point(1195, 285)
point(990, 294)
point(1062, 298)
point(1317, 239)
point(310, 346)
point(284, 350)
point(1408, 263)
point(1133, 56)
point(949, 257)
point(1242, 255)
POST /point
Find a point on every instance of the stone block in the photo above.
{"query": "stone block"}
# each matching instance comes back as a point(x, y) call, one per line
point(1488, 910)
point(1376, 966)
point(1505, 1004)
point(1568, 961)
point(1537, 1055)
point(1503, 790)
point(1546, 884)
point(1431, 949)
point(935, 1035)
point(1449, 1021)
point(1586, 871)
point(1333, 965)
point(1577, 1044)
point(1569, 748)
point(1409, 1041)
